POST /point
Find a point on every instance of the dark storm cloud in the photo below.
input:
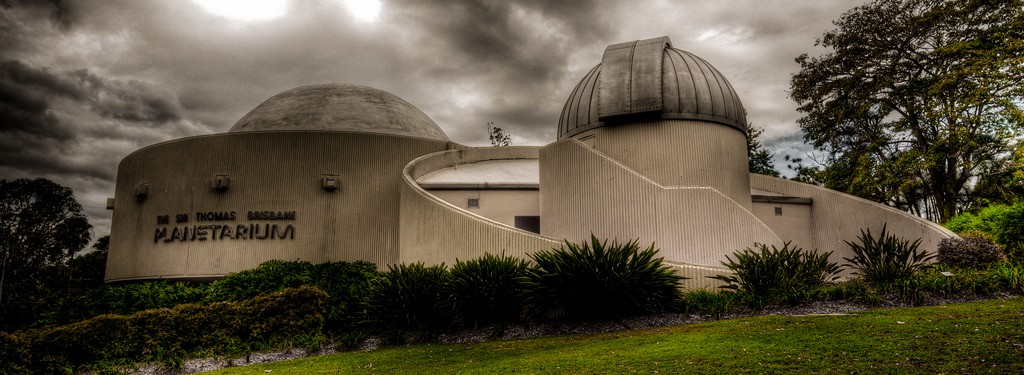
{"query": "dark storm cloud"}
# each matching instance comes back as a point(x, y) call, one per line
point(63, 119)
point(26, 94)
point(528, 39)
point(85, 83)
point(507, 62)
point(24, 101)
point(46, 115)
point(59, 11)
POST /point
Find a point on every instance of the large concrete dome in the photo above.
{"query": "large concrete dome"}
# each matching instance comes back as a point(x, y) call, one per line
point(649, 80)
point(340, 107)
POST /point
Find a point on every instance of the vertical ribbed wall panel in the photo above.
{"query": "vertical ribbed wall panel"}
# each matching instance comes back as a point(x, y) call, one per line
point(269, 171)
point(839, 217)
point(434, 231)
point(682, 153)
point(584, 191)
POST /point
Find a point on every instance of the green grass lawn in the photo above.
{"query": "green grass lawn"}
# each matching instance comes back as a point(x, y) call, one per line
point(977, 337)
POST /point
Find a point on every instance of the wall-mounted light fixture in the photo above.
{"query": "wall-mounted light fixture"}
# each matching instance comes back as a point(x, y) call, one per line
point(141, 191)
point(220, 183)
point(330, 182)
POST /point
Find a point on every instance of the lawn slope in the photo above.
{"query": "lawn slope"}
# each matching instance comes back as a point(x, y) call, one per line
point(977, 337)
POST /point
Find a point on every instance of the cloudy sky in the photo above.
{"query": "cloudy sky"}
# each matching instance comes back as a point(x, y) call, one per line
point(84, 83)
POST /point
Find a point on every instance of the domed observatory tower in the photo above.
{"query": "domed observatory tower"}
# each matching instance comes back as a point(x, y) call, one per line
point(311, 174)
point(652, 145)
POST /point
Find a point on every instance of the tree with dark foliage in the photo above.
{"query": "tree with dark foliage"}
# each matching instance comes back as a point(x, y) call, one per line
point(759, 159)
point(917, 99)
point(41, 228)
point(497, 136)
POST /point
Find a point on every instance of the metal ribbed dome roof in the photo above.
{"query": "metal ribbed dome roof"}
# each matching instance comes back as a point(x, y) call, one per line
point(340, 107)
point(648, 79)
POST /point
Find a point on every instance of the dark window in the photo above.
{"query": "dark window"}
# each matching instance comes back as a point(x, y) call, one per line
point(473, 203)
point(778, 211)
point(528, 223)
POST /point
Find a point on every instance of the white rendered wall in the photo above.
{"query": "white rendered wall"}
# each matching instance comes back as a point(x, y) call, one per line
point(499, 205)
point(795, 224)
point(434, 231)
point(584, 191)
point(278, 171)
point(679, 153)
point(838, 217)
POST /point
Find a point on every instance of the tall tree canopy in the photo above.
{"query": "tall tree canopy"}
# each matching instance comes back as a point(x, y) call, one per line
point(497, 136)
point(917, 100)
point(759, 158)
point(41, 225)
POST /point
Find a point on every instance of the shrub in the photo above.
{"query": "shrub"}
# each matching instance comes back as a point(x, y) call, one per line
point(855, 290)
point(972, 249)
point(887, 258)
point(1012, 235)
point(408, 298)
point(14, 354)
point(1008, 277)
point(778, 275)
point(170, 334)
point(705, 302)
point(598, 279)
point(133, 297)
point(1004, 223)
point(986, 220)
point(348, 285)
point(269, 276)
point(487, 289)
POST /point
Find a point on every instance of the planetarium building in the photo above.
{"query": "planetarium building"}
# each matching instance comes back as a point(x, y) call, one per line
point(651, 146)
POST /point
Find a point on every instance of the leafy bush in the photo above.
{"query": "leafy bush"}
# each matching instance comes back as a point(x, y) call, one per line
point(778, 275)
point(348, 285)
point(269, 276)
point(598, 279)
point(1004, 223)
point(1008, 277)
point(972, 249)
point(169, 334)
point(887, 258)
point(408, 298)
point(133, 297)
point(487, 289)
point(987, 220)
point(1012, 235)
point(14, 354)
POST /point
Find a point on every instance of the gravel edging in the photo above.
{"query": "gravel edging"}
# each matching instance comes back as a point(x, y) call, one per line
point(554, 328)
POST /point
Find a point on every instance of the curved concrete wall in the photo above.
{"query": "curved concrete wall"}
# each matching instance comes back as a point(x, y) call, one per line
point(184, 229)
point(837, 217)
point(434, 231)
point(680, 153)
point(584, 191)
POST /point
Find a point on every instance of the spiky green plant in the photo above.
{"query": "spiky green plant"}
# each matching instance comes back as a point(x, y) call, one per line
point(487, 289)
point(600, 279)
point(1009, 277)
point(407, 299)
point(887, 258)
point(773, 275)
point(706, 302)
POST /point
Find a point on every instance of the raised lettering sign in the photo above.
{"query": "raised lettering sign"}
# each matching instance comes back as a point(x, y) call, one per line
point(225, 231)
